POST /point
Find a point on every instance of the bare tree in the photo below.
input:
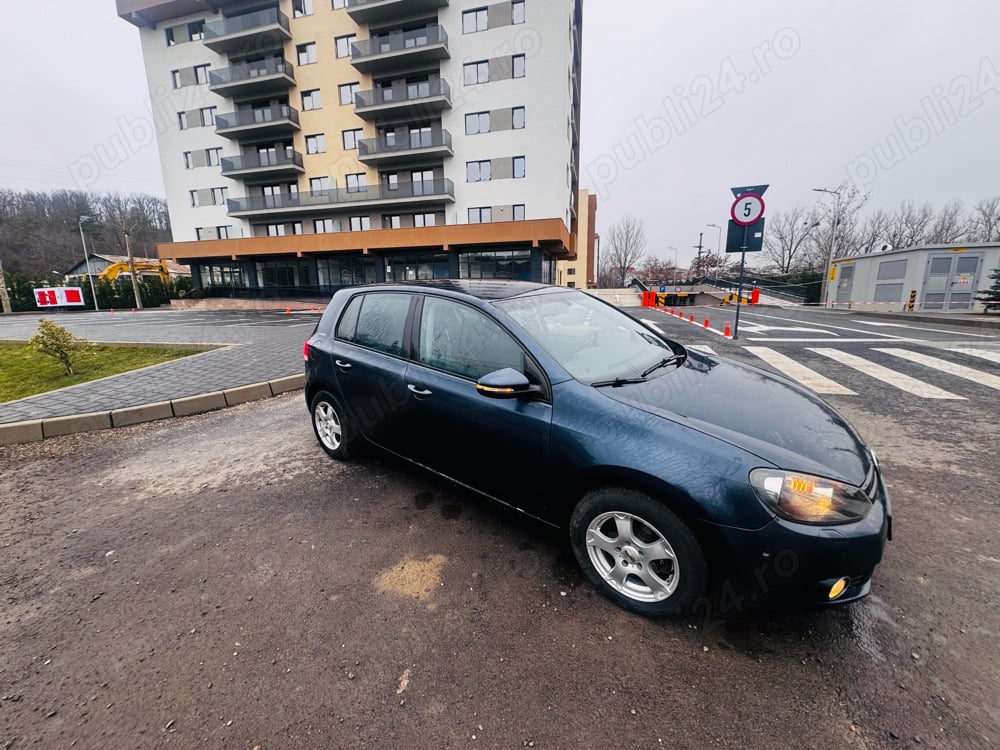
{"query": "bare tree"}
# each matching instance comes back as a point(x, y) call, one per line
point(872, 235)
point(984, 221)
point(623, 247)
point(838, 227)
point(786, 237)
point(947, 226)
point(909, 225)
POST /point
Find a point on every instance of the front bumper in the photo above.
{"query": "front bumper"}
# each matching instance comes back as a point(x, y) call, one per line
point(792, 561)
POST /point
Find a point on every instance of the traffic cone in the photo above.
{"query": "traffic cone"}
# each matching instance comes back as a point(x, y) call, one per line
point(133, 311)
point(691, 319)
point(288, 311)
point(726, 332)
point(112, 311)
point(706, 322)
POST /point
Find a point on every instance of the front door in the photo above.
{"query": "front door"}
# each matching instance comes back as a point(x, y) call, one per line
point(497, 446)
point(845, 283)
point(951, 281)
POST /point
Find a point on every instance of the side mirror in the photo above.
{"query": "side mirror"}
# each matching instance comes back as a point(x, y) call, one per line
point(505, 383)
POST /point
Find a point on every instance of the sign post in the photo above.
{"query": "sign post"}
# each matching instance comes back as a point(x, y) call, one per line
point(746, 233)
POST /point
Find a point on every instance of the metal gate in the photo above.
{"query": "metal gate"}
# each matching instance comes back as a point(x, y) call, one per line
point(845, 283)
point(951, 281)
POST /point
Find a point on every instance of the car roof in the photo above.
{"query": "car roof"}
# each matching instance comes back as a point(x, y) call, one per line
point(484, 289)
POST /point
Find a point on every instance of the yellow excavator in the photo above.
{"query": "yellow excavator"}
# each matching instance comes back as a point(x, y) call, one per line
point(142, 268)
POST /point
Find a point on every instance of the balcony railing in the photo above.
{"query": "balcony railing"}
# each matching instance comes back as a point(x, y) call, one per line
point(367, 11)
point(265, 161)
point(265, 117)
point(413, 144)
point(402, 48)
point(403, 192)
point(269, 73)
point(428, 96)
point(262, 31)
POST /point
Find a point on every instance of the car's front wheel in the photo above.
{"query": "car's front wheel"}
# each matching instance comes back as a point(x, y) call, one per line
point(637, 552)
point(330, 425)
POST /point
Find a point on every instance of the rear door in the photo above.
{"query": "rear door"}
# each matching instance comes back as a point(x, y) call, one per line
point(497, 446)
point(369, 358)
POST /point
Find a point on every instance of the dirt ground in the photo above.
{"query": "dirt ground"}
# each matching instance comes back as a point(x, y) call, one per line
point(216, 581)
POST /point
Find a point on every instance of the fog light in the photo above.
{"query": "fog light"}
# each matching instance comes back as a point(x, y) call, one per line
point(838, 588)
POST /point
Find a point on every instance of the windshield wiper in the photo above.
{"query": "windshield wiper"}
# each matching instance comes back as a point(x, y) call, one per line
point(617, 382)
point(663, 363)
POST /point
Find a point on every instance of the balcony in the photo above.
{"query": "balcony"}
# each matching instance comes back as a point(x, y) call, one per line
point(251, 33)
point(401, 150)
point(396, 50)
point(319, 201)
point(375, 11)
point(412, 100)
point(257, 78)
point(256, 123)
point(263, 165)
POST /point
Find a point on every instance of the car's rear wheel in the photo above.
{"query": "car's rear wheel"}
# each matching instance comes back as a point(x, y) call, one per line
point(637, 552)
point(330, 425)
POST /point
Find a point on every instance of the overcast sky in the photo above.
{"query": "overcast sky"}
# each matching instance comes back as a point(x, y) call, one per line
point(681, 101)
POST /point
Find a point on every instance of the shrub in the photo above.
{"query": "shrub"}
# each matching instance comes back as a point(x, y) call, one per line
point(55, 341)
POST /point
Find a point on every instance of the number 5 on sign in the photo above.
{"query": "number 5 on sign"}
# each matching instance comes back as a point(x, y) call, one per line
point(747, 209)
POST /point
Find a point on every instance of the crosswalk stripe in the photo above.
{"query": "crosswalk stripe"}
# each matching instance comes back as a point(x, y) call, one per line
point(807, 377)
point(981, 353)
point(893, 378)
point(703, 349)
point(961, 371)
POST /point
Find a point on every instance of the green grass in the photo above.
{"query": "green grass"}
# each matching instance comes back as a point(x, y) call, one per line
point(26, 373)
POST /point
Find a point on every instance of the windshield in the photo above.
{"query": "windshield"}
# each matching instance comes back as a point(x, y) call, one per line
point(593, 341)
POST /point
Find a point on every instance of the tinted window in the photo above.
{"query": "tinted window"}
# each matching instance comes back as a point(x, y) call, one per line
point(381, 321)
point(349, 322)
point(463, 341)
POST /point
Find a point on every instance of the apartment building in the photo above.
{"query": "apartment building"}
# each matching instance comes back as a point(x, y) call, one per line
point(311, 144)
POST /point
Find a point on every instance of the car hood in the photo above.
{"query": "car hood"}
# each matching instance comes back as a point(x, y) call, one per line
point(769, 416)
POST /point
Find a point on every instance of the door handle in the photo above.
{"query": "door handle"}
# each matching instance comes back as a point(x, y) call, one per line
point(343, 365)
point(416, 390)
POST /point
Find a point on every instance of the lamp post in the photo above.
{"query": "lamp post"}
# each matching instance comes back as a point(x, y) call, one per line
point(671, 247)
point(833, 240)
point(718, 242)
point(86, 260)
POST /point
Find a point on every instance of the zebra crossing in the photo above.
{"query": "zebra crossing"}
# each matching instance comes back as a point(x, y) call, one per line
point(914, 382)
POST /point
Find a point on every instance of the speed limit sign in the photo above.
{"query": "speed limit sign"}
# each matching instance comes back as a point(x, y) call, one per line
point(747, 209)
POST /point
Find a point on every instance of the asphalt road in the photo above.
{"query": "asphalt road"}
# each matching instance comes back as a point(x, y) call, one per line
point(217, 581)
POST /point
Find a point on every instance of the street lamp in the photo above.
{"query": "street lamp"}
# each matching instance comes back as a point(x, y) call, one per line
point(671, 247)
point(833, 240)
point(86, 259)
point(718, 242)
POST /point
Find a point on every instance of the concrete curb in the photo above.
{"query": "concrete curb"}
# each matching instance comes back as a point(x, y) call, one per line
point(40, 429)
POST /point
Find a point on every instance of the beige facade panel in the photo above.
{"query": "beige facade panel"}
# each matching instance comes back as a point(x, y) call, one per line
point(501, 68)
point(501, 119)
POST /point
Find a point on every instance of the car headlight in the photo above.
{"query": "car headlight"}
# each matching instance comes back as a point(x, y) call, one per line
point(809, 499)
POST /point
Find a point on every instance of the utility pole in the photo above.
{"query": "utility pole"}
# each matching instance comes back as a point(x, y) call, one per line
point(699, 246)
point(4, 299)
point(131, 270)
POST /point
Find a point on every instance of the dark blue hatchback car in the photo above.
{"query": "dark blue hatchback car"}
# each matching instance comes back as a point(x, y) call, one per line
point(665, 465)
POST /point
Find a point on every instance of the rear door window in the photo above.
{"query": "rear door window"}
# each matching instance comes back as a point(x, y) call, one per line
point(377, 321)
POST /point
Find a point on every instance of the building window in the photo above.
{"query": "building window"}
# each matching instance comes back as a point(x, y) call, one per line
point(188, 163)
point(201, 73)
point(175, 78)
point(319, 184)
point(275, 230)
point(219, 196)
point(214, 155)
point(476, 72)
point(306, 53)
point(196, 30)
point(392, 222)
point(497, 264)
point(414, 266)
point(224, 233)
point(518, 212)
point(207, 116)
point(392, 181)
point(477, 171)
point(339, 4)
point(351, 138)
point(422, 182)
point(424, 220)
point(193, 195)
point(296, 227)
point(347, 92)
point(323, 226)
point(482, 215)
point(315, 144)
point(357, 183)
point(361, 223)
point(201, 233)
point(477, 122)
point(344, 44)
point(169, 34)
point(517, 118)
point(302, 8)
point(182, 120)
point(517, 64)
point(517, 11)
point(311, 99)
point(475, 20)
point(518, 167)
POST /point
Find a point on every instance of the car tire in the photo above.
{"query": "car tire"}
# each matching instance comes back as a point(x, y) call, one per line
point(330, 424)
point(638, 553)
